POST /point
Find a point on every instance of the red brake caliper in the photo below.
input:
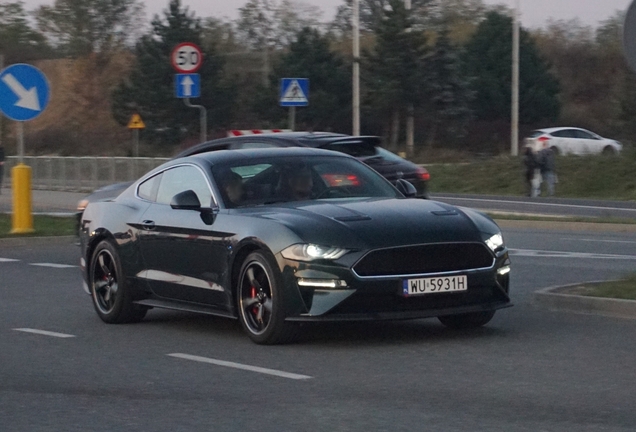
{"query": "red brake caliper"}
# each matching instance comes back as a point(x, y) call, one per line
point(255, 308)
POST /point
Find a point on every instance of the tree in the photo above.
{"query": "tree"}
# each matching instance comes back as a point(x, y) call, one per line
point(19, 42)
point(372, 13)
point(330, 80)
point(450, 94)
point(394, 72)
point(270, 24)
point(81, 27)
point(149, 90)
point(489, 59)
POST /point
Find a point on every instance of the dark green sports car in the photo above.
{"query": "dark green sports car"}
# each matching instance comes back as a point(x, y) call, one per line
point(276, 237)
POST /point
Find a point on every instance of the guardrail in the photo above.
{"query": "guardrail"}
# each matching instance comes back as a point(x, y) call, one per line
point(81, 173)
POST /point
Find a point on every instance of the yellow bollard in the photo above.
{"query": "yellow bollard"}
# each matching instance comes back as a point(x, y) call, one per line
point(21, 184)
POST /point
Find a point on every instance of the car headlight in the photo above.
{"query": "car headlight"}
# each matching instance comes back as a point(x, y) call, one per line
point(495, 243)
point(311, 252)
point(81, 206)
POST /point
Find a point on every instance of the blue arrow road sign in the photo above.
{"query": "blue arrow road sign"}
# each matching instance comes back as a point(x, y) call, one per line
point(24, 92)
point(294, 92)
point(187, 85)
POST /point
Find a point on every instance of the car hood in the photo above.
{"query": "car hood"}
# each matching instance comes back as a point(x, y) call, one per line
point(375, 223)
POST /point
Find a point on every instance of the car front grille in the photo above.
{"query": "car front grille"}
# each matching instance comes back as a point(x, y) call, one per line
point(424, 259)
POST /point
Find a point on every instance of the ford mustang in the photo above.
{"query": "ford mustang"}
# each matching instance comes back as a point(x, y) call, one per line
point(277, 237)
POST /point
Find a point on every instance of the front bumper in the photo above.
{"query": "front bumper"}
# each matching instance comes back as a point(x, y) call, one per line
point(366, 299)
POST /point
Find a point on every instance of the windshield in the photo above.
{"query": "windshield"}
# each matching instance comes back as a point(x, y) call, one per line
point(274, 180)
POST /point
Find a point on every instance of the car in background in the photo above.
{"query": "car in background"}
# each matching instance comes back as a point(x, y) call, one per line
point(364, 148)
point(367, 149)
point(280, 236)
point(572, 141)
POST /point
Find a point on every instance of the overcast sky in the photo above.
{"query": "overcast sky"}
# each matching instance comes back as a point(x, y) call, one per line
point(534, 12)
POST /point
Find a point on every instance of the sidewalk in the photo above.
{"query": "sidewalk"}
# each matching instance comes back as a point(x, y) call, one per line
point(45, 201)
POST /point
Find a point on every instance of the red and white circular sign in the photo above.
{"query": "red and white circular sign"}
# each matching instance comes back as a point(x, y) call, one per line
point(186, 58)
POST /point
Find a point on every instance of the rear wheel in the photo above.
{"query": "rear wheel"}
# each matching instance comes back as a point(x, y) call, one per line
point(467, 321)
point(261, 308)
point(111, 296)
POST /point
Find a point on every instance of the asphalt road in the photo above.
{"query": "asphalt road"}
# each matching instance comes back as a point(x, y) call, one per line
point(529, 370)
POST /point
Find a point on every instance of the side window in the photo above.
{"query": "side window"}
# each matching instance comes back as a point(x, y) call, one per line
point(148, 189)
point(181, 179)
point(566, 133)
point(252, 145)
point(583, 134)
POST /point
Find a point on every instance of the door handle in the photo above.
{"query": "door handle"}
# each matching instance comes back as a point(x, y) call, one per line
point(148, 225)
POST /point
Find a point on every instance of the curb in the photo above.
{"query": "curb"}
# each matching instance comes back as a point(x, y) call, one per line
point(552, 298)
point(37, 241)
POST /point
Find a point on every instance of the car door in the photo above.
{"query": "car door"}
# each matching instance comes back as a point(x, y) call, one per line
point(184, 257)
point(592, 144)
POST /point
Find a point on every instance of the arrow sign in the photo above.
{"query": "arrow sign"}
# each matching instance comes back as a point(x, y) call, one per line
point(27, 99)
point(188, 86)
point(24, 92)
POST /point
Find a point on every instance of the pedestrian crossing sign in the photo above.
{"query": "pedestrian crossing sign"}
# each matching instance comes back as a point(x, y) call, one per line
point(136, 122)
point(294, 92)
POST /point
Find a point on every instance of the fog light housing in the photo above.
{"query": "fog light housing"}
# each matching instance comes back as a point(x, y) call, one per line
point(501, 271)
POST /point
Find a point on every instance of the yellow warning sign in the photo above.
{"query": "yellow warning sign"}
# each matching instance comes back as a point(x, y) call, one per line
point(136, 122)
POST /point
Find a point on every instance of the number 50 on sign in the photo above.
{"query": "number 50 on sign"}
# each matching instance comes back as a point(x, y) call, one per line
point(186, 58)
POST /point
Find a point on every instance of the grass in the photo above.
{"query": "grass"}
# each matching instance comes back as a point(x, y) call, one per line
point(45, 226)
point(623, 289)
point(601, 220)
point(597, 177)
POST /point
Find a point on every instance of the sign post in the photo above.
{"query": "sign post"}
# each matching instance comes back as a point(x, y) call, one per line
point(136, 124)
point(187, 58)
point(24, 94)
point(294, 92)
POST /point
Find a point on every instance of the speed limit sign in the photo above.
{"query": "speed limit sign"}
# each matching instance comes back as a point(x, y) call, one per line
point(186, 58)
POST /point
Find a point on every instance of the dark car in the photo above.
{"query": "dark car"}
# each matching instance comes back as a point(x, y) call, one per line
point(275, 237)
point(367, 149)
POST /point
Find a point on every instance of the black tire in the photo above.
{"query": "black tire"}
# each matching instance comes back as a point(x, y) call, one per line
point(111, 296)
point(609, 151)
point(467, 321)
point(261, 308)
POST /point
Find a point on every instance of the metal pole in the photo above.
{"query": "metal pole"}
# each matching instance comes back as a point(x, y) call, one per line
point(356, 67)
point(410, 110)
point(136, 143)
point(203, 119)
point(292, 118)
point(514, 138)
point(20, 126)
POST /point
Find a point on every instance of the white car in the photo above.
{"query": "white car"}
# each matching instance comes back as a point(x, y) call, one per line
point(572, 141)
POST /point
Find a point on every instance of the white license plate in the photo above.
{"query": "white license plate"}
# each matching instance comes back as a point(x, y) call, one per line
point(413, 287)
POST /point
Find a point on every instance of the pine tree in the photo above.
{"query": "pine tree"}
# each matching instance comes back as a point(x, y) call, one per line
point(149, 90)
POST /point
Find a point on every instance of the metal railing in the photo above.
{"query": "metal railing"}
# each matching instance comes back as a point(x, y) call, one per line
point(81, 173)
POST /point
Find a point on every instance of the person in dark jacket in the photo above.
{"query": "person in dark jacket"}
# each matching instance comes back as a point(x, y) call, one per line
point(1, 167)
point(548, 167)
point(530, 164)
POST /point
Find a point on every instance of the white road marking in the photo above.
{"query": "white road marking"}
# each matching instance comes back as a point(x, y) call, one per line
point(44, 332)
point(536, 203)
point(57, 266)
point(559, 254)
point(241, 366)
point(8, 260)
point(599, 241)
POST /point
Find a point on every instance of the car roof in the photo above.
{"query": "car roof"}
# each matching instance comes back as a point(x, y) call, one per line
point(556, 129)
point(232, 156)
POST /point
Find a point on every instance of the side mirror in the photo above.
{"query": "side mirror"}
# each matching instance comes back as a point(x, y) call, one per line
point(186, 200)
point(406, 188)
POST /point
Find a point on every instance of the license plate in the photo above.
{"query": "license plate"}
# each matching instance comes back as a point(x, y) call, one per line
point(413, 287)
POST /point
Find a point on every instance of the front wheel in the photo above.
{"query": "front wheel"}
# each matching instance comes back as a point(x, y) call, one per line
point(261, 308)
point(467, 321)
point(111, 296)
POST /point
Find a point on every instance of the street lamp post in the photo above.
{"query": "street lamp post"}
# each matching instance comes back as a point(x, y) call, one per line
point(514, 136)
point(356, 67)
point(410, 111)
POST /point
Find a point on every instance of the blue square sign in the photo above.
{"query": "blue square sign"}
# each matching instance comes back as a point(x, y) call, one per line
point(294, 92)
point(187, 86)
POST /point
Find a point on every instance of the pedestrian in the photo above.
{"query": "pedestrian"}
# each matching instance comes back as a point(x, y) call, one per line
point(548, 167)
point(530, 164)
point(1, 167)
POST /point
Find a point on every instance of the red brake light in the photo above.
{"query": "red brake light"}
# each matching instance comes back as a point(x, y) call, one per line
point(423, 174)
point(543, 139)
